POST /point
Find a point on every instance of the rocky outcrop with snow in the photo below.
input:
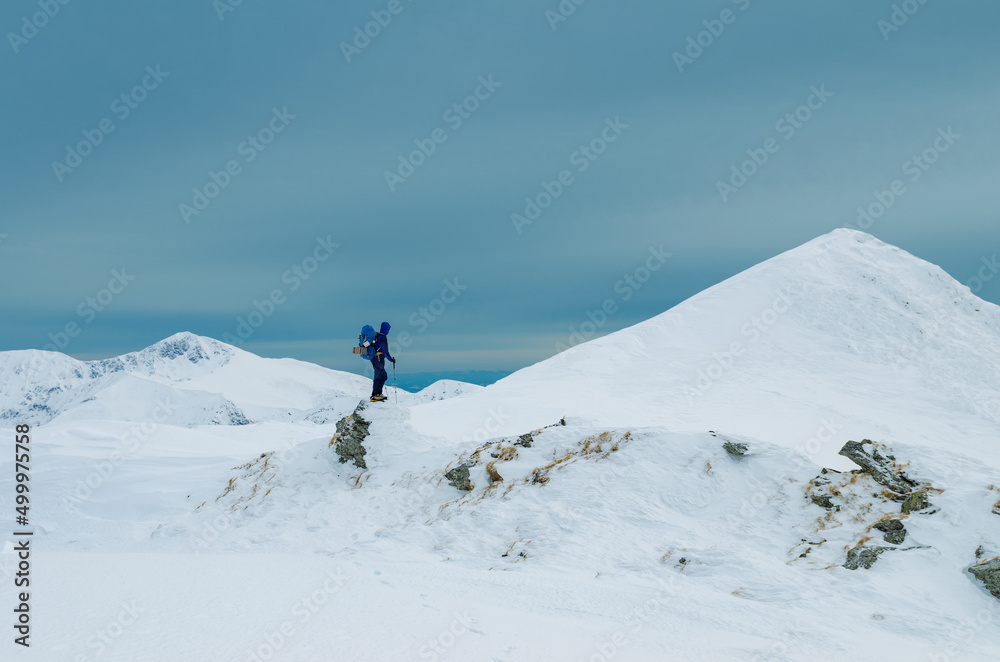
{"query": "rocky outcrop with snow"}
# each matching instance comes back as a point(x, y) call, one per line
point(349, 440)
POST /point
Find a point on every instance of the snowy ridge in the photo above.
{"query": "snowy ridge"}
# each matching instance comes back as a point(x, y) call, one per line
point(203, 381)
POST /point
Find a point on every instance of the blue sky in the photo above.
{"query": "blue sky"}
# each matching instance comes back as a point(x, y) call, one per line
point(306, 234)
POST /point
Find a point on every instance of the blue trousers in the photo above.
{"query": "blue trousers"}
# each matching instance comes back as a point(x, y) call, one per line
point(378, 364)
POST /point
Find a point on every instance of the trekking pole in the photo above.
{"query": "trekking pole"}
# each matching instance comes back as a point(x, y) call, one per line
point(395, 388)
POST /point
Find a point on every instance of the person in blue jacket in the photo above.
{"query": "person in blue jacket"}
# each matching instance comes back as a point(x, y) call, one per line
point(378, 363)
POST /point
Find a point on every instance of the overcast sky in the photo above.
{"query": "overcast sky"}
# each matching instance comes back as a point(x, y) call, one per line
point(182, 166)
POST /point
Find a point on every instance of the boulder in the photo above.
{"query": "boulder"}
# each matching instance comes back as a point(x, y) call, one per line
point(823, 500)
point(459, 478)
point(735, 449)
point(916, 501)
point(876, 466)
point(895, 537)
point(525, 440)
point(893, 529)
point(889, 525)
point(989, 574)
point(864, 556)
point(351, 433)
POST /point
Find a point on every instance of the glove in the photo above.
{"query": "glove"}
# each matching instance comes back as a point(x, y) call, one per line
point(394, 362)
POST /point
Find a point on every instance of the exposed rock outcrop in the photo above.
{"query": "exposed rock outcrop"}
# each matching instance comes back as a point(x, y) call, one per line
point(988, 573)
point(916, 501)
point(735, 448)
point(823, 500)
point(864, 556)
point(459, 478)
point(893, 529)
point(880, 468)
point(351, 433)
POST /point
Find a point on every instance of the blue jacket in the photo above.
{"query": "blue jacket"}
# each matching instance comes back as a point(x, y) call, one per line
point(382, 342)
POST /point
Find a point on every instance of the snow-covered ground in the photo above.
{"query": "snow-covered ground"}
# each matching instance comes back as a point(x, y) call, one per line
point(188, 505)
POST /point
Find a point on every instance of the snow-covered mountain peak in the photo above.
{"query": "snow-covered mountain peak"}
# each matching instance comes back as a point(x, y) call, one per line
point(193, 347)
point(179, 357)
point(844, 330)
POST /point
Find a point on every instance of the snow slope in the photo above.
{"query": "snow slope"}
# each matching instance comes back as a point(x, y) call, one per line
point(667, 548)
point(845, 331)
point(623, 531)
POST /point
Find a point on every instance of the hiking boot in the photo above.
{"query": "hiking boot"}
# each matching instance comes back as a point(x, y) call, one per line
point(379, 398)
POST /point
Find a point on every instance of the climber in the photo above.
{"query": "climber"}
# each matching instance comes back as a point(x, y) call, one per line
point(378, 362)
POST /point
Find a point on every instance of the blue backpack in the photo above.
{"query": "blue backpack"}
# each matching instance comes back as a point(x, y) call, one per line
point(366, 342)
